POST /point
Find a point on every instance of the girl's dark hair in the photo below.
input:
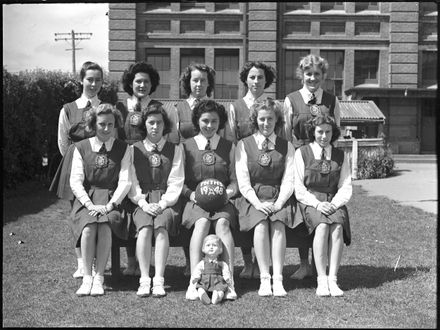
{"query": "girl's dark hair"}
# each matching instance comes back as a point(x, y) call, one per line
point(103, 109)
point(155, 109)
point(267, 104)
point(313, 122)
point(90, 66)
point(269, 72)
point(185, 78)
point(128, 76)
point(209, 106)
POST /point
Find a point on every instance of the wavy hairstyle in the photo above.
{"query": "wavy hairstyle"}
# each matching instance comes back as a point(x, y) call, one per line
point(311, 61)
point(267, 104)
point(313, 122)
point(128, 76)
point(269, 72)
point(103, 109)
point(209, 106)
point(153, 109)
point(185, 78)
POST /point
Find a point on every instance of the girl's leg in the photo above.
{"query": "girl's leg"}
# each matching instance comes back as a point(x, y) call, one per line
point(201, 230)
point(278, 247)
point(336, 245)
point(143, 251)
point(161, 254)
point(304, 269)
point(104, 245)
point(217, 297)
point(223, 231)
point(187, 271)
point(80, 270)
point(88, 249)
point(131, 257)
point(247, 260)
point(320, 252)
point(262, 252)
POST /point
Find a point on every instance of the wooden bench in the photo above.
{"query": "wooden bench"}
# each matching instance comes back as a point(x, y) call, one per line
point(295, 238)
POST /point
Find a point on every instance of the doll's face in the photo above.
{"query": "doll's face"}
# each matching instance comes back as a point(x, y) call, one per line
point(212, 248)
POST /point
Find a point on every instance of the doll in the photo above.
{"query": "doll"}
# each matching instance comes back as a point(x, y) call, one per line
point(211, 274)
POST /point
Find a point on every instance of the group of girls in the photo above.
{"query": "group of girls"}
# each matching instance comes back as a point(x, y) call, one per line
point(135, 167)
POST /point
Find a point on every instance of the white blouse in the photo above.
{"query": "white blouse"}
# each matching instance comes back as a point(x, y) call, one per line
point(175, 179)
point(344, 185)
point(64, 123)
point(132, 100)
point(243, 178)
point(77, 173)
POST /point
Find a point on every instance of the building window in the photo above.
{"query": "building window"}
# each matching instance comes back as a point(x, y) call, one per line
point(332, 28)
point(325, 6)
point(159, 58)
point(429, 69)
point(188, 5)
point(335, 72)
point(192, 26)
point(226, 67)
point(366, 67)
point(291, 81)
point(227, 27)
point(293, 6)
point(190, 56)
point(296, 28)
point(371, 6)
point(226, 5)
point(428, 30)
point(428, 8)
point(157, 26)
point(367, 28)
point(149, 6)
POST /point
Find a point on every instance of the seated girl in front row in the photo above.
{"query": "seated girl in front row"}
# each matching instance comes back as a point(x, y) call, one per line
point(157, 177)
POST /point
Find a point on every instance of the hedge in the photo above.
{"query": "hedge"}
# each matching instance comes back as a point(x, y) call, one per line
point(31, 104)
point(374, 163)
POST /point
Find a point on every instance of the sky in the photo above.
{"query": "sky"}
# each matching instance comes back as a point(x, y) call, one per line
point(29, 35)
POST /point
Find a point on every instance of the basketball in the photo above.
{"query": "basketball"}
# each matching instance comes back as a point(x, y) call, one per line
point(211, 195)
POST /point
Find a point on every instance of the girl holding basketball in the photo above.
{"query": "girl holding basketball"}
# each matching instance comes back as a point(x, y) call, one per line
point(266, 188)
point(207, 155)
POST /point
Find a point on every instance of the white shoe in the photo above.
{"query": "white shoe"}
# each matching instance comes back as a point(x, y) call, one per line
point(97, 287)
point(230, 292)
point(265, 290)
point(86, 286)
point(78, 273)
point(302, 272)
point(217, 296)
point(277, 286)
point(333, 287)
point(322, 288)
point(204, 298)
point(158, 289)
point(191, 292)
point(144, 287)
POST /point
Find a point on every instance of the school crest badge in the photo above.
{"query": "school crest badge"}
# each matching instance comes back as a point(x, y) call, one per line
point(208, 158)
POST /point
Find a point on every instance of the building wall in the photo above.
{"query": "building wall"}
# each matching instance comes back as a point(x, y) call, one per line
point(400, 33)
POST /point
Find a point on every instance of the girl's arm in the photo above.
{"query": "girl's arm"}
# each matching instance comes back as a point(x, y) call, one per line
point(63, 132)
point(124, 182)
point(286, 133)
point(345, 188)
point(175, 180)
point(77, 179)
point(242, 174)
point(232, 188)
point(135, 194)
point(337, 112)
point(287, 182)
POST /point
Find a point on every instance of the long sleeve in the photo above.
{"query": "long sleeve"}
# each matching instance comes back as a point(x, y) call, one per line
point(63, 132)
point(233, 185)
point(226, 273)
point(286, 133)
point(345, 188)
point(77, 178)
point(175, 180)
point(198, 270)
point(301, 193)
point(242, 173)
point(173, 135)
point(287, 182)
point(124, 182)
point(337, 113)
point(229, 131)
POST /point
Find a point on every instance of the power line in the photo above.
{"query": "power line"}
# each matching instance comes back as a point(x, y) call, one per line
point(73, 36)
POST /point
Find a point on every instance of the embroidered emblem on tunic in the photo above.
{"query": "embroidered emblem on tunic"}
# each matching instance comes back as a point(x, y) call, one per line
point(325, 167)
point(154, 160)
point(315, 110)
point(101, 160)
point(135, 119)
point(264, 159)
point(208, 158)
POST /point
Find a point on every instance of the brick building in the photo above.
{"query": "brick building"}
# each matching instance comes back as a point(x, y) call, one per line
point(380, 51)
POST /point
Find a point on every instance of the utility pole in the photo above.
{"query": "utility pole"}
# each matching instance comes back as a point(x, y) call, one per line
point(73, 36)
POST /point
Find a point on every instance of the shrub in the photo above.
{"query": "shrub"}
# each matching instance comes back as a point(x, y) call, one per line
point(375, 162)
point(31, 105)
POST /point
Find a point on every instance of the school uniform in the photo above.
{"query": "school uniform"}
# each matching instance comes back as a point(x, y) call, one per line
point(157, 177)
point(322, 177)
point(200, 164)
point(101, 177)
point(71, 129)
point(262, 176)
point(299, 107)
point(131, 109)
point(212, 274)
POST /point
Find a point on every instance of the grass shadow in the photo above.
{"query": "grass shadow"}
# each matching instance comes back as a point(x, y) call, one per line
point(29, 198)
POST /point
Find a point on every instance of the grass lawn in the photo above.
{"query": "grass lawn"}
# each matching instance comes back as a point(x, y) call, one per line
point(39, 291)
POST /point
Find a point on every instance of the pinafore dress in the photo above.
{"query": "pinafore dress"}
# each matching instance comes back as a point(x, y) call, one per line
point(212, 277)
